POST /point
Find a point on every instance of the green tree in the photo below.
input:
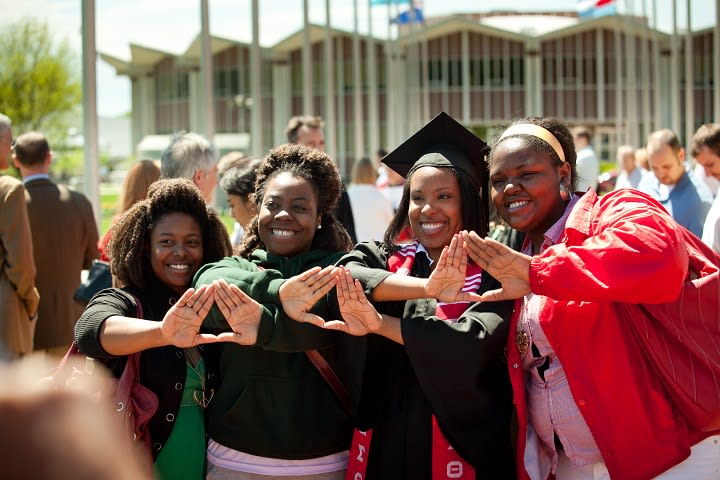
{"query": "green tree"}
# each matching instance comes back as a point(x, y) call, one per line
point(39, 82)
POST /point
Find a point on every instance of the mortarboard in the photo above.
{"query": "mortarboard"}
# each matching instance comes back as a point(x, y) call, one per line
point(442, 142)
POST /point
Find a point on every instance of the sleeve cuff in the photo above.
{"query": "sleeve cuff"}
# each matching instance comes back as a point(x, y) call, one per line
point(266, 328)
point(270, 293)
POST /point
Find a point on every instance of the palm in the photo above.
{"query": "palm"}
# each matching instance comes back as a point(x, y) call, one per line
point(299, 293)
point(360, 317)
point(240, 311)
point(509, 267)
point(181, 324)
point(448, 278)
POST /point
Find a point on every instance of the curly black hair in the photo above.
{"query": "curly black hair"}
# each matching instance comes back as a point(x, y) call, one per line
point(129, 248)
point(320, 171)
point(559, 130)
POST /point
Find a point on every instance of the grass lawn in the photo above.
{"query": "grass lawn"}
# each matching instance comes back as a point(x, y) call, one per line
point(110, 199)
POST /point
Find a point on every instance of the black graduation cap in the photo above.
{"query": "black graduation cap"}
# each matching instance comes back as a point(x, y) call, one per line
point(442, 142)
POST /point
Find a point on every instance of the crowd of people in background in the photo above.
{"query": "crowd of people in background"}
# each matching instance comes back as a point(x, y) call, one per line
point(375, 328)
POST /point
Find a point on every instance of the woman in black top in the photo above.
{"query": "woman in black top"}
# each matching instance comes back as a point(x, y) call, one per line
point(156, 248)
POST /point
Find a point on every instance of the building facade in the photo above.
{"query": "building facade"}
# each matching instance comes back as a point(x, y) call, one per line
point(614, 74)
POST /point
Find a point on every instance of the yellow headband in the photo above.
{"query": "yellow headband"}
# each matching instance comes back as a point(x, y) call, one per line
point(536, 131)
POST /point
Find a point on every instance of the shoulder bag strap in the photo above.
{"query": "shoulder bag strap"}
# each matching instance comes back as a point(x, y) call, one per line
point(330, 377)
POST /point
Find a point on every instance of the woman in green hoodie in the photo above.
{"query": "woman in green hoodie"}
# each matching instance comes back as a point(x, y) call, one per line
point(274, 414)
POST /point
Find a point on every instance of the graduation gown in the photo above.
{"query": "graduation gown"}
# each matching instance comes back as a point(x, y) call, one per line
point(455, 371)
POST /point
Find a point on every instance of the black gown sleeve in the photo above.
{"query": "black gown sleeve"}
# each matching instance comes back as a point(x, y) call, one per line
point(461, 370)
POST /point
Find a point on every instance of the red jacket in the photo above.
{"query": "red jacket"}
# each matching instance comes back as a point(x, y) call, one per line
point(623, 247)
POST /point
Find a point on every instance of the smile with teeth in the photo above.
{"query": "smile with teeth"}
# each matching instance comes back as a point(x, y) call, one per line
point(517, 204)
point(177, 266)
point(282, 233)
point(427, 226)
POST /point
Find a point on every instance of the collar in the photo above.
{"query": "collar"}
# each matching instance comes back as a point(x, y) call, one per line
point(554, 233)
point(36, 176)
point(421, 248)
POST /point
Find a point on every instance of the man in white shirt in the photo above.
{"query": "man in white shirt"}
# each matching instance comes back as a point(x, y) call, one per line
point(587, 164)
point(705, 147)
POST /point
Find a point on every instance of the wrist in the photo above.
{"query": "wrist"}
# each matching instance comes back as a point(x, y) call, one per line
point(381, 324)
point(427, 289)
point(281, 292)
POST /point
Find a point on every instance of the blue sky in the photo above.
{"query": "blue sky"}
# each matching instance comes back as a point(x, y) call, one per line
point(170, 25)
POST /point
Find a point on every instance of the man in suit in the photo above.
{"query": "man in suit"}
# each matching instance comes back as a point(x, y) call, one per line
point(64, 238)
point(307, 130)
point(18, 295)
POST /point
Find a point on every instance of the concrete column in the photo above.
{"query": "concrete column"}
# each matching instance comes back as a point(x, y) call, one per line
point(373, 117)
point(657, 95)
point(206, 74)
point(138, 129)
point(506, 78)
point(600, 69)
point(195, 102)
point(358, 113)
point(341, 158)
point(282, 100)
point(445, 68)
point(330, 90)
point(308, 103)
point(465, 46)
point(645, 54)
point(631, 87)
point(675, 114)
point(689, 80)
point(256, 131)
point(91, 150)
point(424, 58)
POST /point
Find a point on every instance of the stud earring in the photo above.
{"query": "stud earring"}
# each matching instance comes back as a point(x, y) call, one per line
point(319, 227)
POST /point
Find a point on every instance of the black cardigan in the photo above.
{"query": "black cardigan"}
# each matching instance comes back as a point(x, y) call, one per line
point(163, 370)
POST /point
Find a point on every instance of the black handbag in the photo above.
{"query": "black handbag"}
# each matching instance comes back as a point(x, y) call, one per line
point(98, 278)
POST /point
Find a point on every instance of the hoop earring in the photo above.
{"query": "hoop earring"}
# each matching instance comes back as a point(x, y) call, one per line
point(564, 193)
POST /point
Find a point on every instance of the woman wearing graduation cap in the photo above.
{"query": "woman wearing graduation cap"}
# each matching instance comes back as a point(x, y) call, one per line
point(435, 393)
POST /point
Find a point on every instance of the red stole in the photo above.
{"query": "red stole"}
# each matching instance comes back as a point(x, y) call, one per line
point(446, 462)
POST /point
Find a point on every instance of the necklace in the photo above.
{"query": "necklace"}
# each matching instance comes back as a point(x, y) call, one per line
point(201, 396)
point(522, 337)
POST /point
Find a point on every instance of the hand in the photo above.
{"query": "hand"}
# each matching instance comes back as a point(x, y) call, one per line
point(241, 312)
point(448, 278)
point(509, 267)
point(359, 315)
point(299, 293)
point(181, 324)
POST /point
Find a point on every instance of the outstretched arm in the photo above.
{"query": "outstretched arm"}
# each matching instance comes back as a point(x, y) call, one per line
point(121, 335)
point(359, 315)
point(445, 283)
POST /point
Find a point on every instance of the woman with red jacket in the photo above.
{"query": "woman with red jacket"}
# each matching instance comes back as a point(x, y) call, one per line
point(589, 405)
